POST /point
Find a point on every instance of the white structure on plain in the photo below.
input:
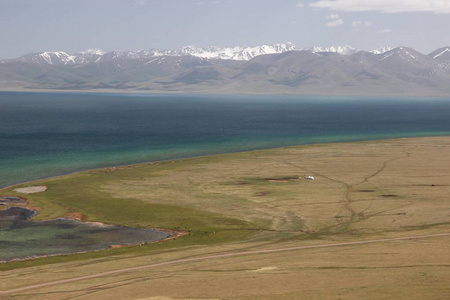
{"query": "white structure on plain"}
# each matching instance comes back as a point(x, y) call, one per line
point(309, 177)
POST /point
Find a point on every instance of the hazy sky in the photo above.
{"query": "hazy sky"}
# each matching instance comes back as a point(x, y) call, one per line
point(76, 25)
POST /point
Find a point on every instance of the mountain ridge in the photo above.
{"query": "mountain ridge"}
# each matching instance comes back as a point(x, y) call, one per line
point(397, 71)
point(211, 52)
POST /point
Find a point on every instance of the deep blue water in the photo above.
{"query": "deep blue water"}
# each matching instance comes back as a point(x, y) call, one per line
point(47, 134)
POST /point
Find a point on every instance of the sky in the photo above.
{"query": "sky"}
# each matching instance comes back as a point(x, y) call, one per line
point(76, 25)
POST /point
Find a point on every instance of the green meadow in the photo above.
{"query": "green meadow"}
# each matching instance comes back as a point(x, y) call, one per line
point(258, 200)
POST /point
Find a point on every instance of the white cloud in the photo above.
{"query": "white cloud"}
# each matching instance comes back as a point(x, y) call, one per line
point(140, 2)
point(300, 4)
point(385, 31)
point(361, 24)
point(335, 23)
point(386, 6)
point(332, 17)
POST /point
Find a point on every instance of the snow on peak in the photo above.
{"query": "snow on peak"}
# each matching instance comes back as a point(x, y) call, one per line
point(344, 50)
point(55, 58)
point(405, 53)
point(382, 50)
point(233, 53)
point(93, 51)
point(247, 53)
point(96, 55)
point(402, 53)
point(439, 54)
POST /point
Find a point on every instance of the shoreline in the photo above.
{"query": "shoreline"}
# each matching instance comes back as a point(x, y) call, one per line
point(79, 217)
point(209, 155)
point(224, 92)
point(173, 234)
point(284, 121)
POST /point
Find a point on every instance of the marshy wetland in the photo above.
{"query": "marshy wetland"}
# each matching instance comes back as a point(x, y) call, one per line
point(22, 238)
point(383, 204)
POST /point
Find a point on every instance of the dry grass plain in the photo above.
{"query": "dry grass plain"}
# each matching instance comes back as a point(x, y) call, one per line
point(253, 201)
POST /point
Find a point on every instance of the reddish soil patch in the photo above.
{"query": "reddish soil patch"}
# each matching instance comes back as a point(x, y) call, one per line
point(75, 216)
point(175, 233)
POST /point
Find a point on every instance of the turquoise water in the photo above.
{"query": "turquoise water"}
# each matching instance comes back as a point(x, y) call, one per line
point(48, 134)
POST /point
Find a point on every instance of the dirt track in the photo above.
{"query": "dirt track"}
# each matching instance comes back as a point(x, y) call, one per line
point(217, 256)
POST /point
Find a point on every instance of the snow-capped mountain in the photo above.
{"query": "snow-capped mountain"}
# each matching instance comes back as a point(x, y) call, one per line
point(97, 55)
point(279, 68)
point(344, 50)
point(93, 51)
point(233, 53)
point(225, 53)
point(402, 53)
point(51, 58)
point(63, 58)
point(441, 54)
point(382, 50)
point(88, 56)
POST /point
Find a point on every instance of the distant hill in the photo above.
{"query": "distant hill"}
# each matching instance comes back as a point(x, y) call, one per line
point(280, 68)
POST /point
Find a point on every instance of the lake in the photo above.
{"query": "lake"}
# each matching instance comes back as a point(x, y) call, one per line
point(48, 134)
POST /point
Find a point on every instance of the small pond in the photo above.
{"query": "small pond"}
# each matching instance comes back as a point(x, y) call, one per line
point(22, 238)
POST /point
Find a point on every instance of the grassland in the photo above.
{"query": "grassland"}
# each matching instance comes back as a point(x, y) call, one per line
point(255, 200)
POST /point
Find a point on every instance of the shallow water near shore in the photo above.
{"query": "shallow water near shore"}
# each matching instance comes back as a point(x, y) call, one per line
point(49, 134)
point(22, 239)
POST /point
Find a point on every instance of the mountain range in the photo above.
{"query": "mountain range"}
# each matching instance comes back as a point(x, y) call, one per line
point(279, 68)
